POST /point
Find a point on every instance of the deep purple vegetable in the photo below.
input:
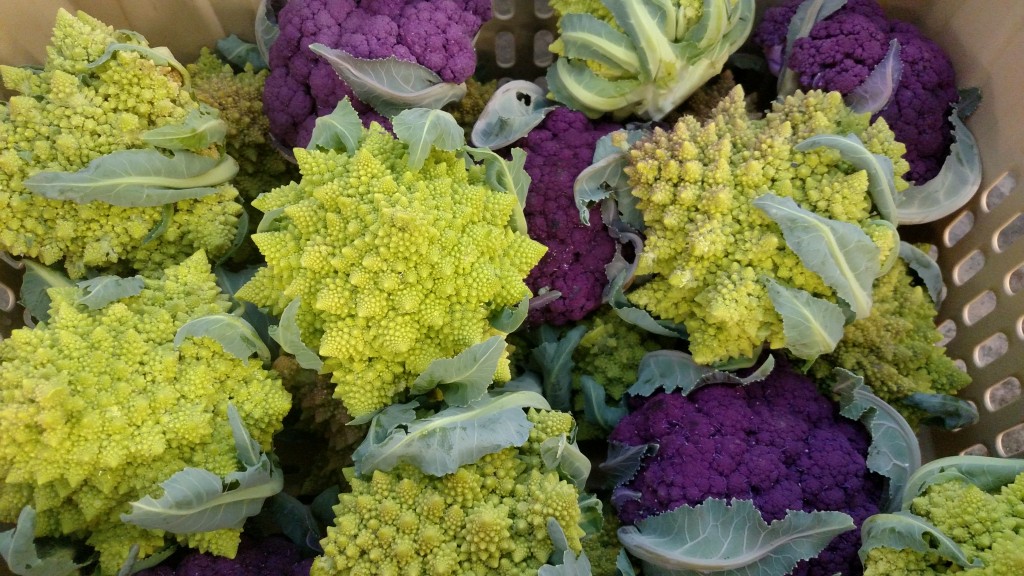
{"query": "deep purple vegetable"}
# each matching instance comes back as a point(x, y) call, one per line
point(437, 34)
point(557, 151)
point(272, 556)
point(777, 442)
point(842, 50)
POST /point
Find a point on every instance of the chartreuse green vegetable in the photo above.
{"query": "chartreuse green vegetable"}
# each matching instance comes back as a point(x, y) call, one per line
point(642, 57)
point(102, 404)
point(393, 265)
point(735, 208)
point(109, 157)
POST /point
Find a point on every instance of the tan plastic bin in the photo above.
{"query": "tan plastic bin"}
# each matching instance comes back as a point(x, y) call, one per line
point(980, 248)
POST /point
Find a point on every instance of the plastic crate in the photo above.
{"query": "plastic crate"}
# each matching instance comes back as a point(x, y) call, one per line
point(979, 248)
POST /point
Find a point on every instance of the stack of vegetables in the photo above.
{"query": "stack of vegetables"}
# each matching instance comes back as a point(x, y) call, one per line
point(286, 319)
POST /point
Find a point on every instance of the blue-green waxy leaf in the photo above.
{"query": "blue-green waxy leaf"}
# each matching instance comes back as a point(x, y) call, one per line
point(881, 177)
point(509, 319)
point(579, 88)
point(132, 564)
point(514, 109)
point(591, 512)
point(943, 410)
point(453, 437)
point(729, 540)
point(234, 334)
point(34, 285)
point(166, 216)
point(200, 129)
point(986, 472)
point(554, 356)
point(903, 530)
point(602, 179)
point(159, 55)
point(466, 377)
point(289, 336)
point(197, 500)
point(840, 252)
point(341, 129)
point(295, 520)
point(267, 29)
point(268, 221)
point(588, 38)
point(390, 85)
point(624, 309)
point(952, 188)
point(134, 178)
point(506, 176)
point(926, 268)
point(894, 451)
point(240, 53)
point(624, 461)
point(230, 282)
point(645, 26)
point(423, 128)
point(968, 101)
point(569, 565)
point(875, 93)
point(807, 15)
point(812, 326)
point(102, 290)
point(623, 566)
point(18, 548)
point(595, 405)
point(672, 370)
point(560, 454)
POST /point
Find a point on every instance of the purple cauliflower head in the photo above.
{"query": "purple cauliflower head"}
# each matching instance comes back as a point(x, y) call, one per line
point(844, 48)
point(437, 34)
point(557, 151)
point(271, 556)
point(778, 442)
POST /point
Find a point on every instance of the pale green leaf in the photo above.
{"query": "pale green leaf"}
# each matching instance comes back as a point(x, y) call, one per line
point(560, 454)
point(943, 410)
point(423, 128)
point(234, 334)
point(133, 565)
point(513, 110)
point(903, 531)
point(241, 233)
point(645, 26)
point(296, 521)
point(554, 357)
point(672, 370)
point(807, 15)
point(875, 93)
point(881, 178)
point(968, 101)
point(624, 461)
point(894, 451)
point(137, 178)
point(926, 268)
point(289, 336)
point(230, 282)
point(18, 548)
point(240, 53)
point(456, 436)
point(625, 310)
point(509, 319)
point(622, 564)
point(505, 176)
point(986, 472)
point(588, 38)
point(266, 223)
point(466, 377)
point(578, 87)
point(591, 513)
point(102, 290)
point(595, 405)
point(599, 181)
point(166, 216)
point(267, 29)
point(38, 279)
point(390, 85)
point(200, 129)
point(341, 129)
point(729, 540)
point(569, 565)
point(812, 326)
point(952, 188)
point(840, 252)
point(246, 448)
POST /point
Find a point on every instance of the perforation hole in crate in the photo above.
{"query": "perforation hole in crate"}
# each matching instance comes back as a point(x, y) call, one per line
point(505, 49)
point(980, 307)
point(543, 9)
point(1010, 233)
point(1011, 442)
point(968, 267)
point(503, 9)
point(948, 330)
point(958, 228)
point(1013, 282)
point(1000, 190)
point(991, 349)
point(1002, 394)
point(975, 450)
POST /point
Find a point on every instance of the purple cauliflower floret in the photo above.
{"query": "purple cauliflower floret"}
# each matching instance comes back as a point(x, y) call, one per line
point(778, 442)
point(842, 50)
point(557, 151)
point(271, 556)
point(437, 34)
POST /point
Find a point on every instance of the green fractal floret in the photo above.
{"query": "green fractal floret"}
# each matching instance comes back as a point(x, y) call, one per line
point(489, 517)
point(709, 248)
point(394, 268)
point(70, 114)
point(98, 408)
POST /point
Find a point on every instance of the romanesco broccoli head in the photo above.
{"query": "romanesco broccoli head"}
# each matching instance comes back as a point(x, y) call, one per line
point(394, 268)
point(489, 517)
point(987, 526)
point(709, 247)
point(894, 348)
point(83, 106)
point(99, 407)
